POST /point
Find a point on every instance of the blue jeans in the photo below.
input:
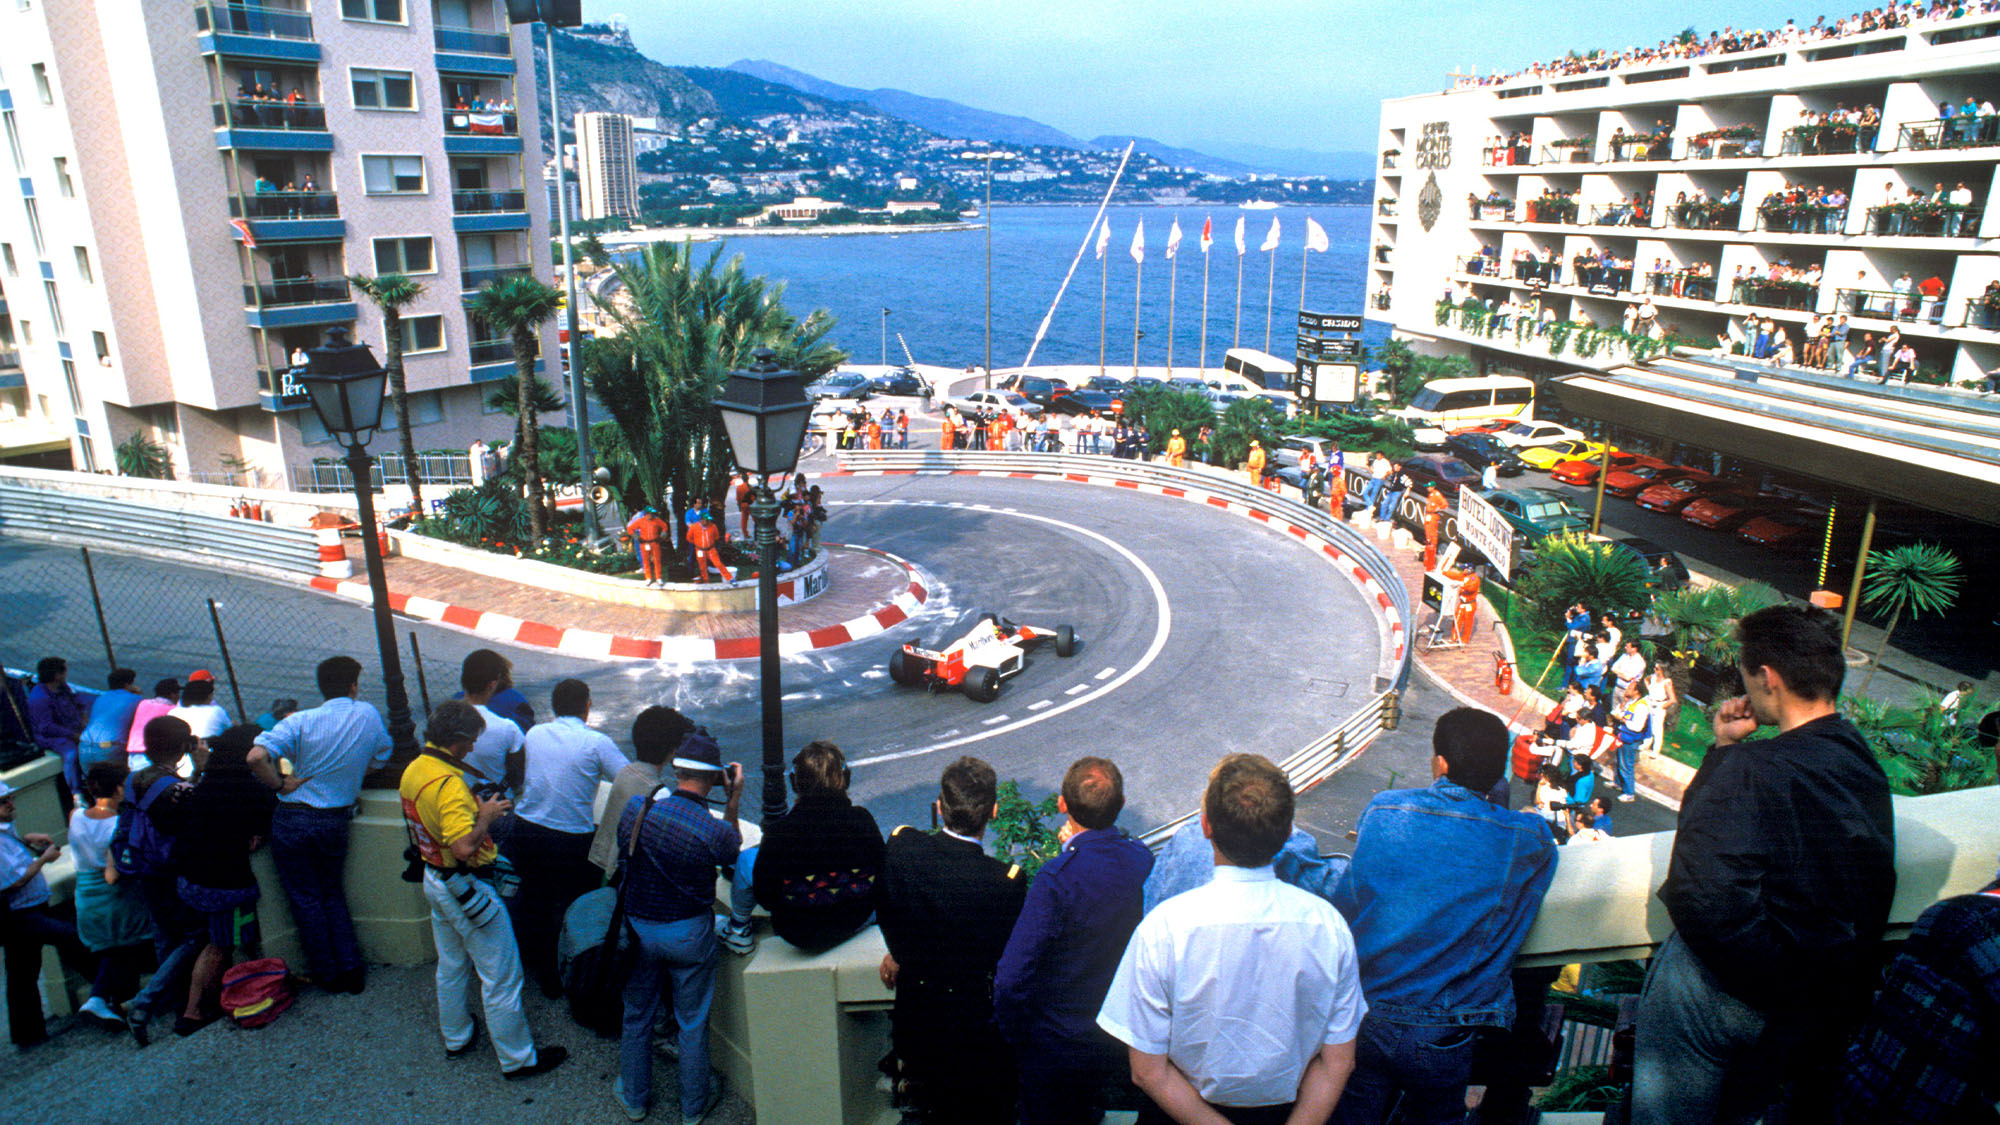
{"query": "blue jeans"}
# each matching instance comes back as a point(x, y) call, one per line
point(1704, 1055)
point(176, 942)
point(309, 846)
point(1372, 493)
point(1426, 1066)
point(742, 889)
point(684, 953)
point(1387, 509)
point(1628, 764)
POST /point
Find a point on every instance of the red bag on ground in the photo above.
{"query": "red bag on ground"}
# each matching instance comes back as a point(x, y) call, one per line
point(256, 992)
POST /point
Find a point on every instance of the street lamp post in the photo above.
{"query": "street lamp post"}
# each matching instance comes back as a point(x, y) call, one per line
point(885, 337)
point(987, 158)
point(765, 411)
point(346, 385)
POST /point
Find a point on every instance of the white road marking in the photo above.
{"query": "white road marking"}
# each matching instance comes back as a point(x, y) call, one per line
point(1077, 688)
point(993, 720)
point(1041, 703)
point(951, 739)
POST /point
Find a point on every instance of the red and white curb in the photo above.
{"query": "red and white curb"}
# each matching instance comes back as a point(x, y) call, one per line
point(1353, 571)
point(608, 646)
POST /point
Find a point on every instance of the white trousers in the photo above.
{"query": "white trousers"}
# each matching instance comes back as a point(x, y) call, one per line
point(469, 924)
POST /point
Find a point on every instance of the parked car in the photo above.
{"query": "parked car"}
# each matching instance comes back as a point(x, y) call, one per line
point(902, 381)
point(1784, 532)
point(1666, 570)
point(1536, 513)
point(841, 384)
point(1585, 472)
point(1448, 473)
point(1546, 457)
point(995, 400)
point(1527, 434)
point(1630, 481)
point(1479, 449)
point(1727, 508)
point(1037, 389)
point(1286, 451)
point(1675, 495)
point(1084, 402)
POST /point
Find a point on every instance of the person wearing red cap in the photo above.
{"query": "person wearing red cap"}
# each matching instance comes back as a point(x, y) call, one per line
point(198, 708)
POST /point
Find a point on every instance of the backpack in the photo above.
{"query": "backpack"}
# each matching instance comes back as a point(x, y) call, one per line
point(594, 926)
point(257, 992)
point(138, 847)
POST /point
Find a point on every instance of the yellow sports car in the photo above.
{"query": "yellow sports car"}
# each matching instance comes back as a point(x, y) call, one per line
point(1546, 457)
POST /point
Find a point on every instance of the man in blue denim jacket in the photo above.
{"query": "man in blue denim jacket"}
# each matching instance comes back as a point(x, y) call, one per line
point(1440, 895)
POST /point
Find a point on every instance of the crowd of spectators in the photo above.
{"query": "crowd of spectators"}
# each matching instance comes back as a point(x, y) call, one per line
point(1733, 40)
point(1378, 984)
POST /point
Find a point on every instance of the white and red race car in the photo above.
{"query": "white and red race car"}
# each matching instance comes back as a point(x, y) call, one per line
point(992, 650)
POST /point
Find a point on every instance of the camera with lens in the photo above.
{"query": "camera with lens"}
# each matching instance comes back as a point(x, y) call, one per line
point(490, 790)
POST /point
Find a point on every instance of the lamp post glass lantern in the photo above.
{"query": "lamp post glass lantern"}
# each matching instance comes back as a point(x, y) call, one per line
point(345, 385)
point(765, 412)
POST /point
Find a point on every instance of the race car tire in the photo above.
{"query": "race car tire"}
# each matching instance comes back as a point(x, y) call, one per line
point(902, 669)
point(982, 685)
point(1065, 641)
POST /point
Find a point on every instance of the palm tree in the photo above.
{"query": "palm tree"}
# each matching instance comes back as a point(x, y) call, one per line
point(390, 292)
point(141, 456)
point(519, 306)
point(1703, 623)
point(506, 398)
point(1918, 578)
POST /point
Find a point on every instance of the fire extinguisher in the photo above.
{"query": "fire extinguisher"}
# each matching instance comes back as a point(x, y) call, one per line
point(235, 509)
point(1503, 675)
point(256, 510)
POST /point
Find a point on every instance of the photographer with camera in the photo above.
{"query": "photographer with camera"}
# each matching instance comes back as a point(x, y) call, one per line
point(449, 827)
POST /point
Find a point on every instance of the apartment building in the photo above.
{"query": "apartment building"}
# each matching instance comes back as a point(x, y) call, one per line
point(198, 180)
point(605, 165)
point(1702, 185)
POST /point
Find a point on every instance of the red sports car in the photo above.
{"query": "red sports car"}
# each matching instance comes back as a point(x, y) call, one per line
point(1672, 496)
point(1585, 472)
point(1785, 532)
point(1725, 509)
point(1630, 481)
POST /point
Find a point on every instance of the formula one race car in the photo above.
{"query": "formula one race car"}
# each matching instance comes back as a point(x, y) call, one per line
point(993, 649)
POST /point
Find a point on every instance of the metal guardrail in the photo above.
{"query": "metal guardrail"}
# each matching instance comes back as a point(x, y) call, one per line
point(126, 525)
point(1319, 758)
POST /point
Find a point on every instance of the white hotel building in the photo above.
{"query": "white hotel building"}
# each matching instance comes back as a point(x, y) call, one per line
point(1430, 241)
point(172, 234)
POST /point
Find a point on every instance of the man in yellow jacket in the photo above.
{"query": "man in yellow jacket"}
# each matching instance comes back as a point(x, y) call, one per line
point(1256, 464)
point(1177, 450)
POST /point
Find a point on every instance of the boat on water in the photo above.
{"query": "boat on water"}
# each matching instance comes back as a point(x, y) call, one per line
point(1258, 205)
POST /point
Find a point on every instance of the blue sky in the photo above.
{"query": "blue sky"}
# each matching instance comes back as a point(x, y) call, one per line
point(1286, 74)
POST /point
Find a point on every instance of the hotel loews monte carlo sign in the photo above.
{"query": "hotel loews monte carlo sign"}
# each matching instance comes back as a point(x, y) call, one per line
point(1433, 156)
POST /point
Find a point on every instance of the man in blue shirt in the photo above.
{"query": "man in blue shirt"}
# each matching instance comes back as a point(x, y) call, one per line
point(1441, 893)
point(330, 748)
point(1080, 912)
point(55, 715)
point(110, 721)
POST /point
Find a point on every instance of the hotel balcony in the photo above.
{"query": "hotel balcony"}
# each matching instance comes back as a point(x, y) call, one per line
point(256, 31)
point(1685, 286)
point(1924, 220)
point(1705, 216)
point(272, 125)
point(475, 211)
point(298, 301)
point(279, 390)
point(1802, 220)
point(482, 133)
point(1788, 295)
point(1978, 314)
point(1959, 132)
point(474, 278)
point(1826, 140)
point(290, 216)
point(1889, 304)
point(494, 359)
point(466, 50)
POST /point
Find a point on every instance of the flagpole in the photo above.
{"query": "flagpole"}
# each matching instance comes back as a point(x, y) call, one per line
point(1236, 338)
point(1138, 284)
point(1103, 293)
point(1270, 289)
point(1204, 312)
point(1302, 276)
point(1173, 282)
point(1042, 330)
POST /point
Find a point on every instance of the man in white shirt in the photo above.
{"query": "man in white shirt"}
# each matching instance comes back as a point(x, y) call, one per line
point(1241, 997)
point(198, 708)
point(553, 825)
point(1630, 665)
point(483, 675)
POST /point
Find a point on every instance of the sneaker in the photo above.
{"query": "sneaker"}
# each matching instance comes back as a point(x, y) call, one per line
point(184, 1027)
point(735, 938)
point(97, 1011)
point(618, 1095)
point(708, 1103)
point(1627, 798)
point(546, 1059)
point(135, 1022)
point(465, 1048)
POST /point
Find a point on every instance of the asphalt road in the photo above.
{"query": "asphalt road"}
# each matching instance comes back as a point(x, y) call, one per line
point(1199, 633)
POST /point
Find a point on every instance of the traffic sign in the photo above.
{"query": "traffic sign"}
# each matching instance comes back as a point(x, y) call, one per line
point(1339, 349)
point(1328, 322)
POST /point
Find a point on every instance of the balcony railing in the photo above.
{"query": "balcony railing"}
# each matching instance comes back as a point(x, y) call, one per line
point(453, 470)
point(1826, 140)
point(1958, 132)
point(254, 113)
point(1802, 219)
point(1618, 215)
point(9, 359)
point(1657, 147)
point(298, 291)
point(1705, 216)
point(1725, 148)
point(1978, 314)
point(1386, 208)
point(1549, 209)
point(497, 351)
point(1504, 155)
point(1682, 284)
point(1567, 154)
point(1487, 211)
point(1796, 296)
point(482, 122)
point(477, 277)
point(1616, 278)
point(285, 205)
point(1479, 265)
point(1380, 300)
point(1528, 269)
point(466, 41)
point(1924, 220)
point(485, 202)
point(1382, 254)
point(1889, 304)
point(253, 19)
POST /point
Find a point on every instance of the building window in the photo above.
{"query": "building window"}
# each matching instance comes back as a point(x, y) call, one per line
point(404, 255)
point(425, 410)
point(42, 87)
point(55, 308)
point(65, 186)
point(491, 404)
point(35, 226)
point(102, 344)
point(423, 334)
point(312, 433)
point(392, 175)
point(27, 333)
point(384, 89)
point(75, 392)
point(83, 265)
point(7, 259)
point(89, 454)
point(14, 140)
point(377, 11)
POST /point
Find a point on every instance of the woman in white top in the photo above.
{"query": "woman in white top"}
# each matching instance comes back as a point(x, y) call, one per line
point(111, 918)
point(1663, 700)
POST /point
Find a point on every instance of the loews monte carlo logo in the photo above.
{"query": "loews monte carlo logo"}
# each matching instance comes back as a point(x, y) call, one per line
point(1434, 150)
point(1430, 203)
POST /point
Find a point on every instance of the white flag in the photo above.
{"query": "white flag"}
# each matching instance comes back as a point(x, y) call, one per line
point(1139, 242)
point(1316, 236)
point(1207, 233)
point(1239, 236)
point(1103, 238)
point(1271, 239)
point(1174, 237)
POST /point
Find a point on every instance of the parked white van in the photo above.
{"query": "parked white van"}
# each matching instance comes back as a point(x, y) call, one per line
point(1445, 405)
point(1251, 372)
